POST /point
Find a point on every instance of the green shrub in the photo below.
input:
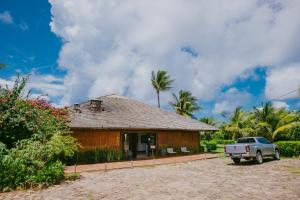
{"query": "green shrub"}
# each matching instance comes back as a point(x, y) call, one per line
point(289, 148)
point(50, 174)
point(201, 148)
point(34, 136)
point(211, 146)
point(95, 156)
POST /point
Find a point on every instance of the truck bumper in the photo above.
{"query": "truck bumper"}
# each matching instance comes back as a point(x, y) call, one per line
point(240, 155)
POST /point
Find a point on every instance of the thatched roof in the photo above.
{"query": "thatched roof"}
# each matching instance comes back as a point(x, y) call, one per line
point(127, 114)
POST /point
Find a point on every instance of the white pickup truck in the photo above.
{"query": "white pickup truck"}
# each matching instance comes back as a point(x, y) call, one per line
point(251, 148)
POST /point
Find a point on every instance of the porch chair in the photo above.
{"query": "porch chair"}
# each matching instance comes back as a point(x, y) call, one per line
point(171, 151)
point(184, 150)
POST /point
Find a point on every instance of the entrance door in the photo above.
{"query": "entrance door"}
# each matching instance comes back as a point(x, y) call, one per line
point(138, 145)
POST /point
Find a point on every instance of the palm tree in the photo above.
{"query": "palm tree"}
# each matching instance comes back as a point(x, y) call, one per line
point(185, 103)
point(270, 121)
point(239, 124)
point(161, 82)
point(209, 120)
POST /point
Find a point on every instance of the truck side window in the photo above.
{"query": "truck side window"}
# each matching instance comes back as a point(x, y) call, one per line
point(246, 140)
point(263, 141)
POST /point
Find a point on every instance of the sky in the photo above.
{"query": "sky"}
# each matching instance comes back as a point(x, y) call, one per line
point(227, 53)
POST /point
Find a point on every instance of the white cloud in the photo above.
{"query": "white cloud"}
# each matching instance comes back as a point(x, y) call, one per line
point(112, 46)
point(280, 104)
point(6, 18)
point(40, 85)
point(23, 26)
point(281, 81)
point(6, 83)
point(230, 100)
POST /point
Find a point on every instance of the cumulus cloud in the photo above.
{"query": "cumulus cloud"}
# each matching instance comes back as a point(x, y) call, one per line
point(6, 18)
point(112, 46)
point(39, 85)
point(281, 81)
point(230, 100)
point(280, 104)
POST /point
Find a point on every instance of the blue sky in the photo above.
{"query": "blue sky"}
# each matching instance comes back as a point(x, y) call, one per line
point(233, 54)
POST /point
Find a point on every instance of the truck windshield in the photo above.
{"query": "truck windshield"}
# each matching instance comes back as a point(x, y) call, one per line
point(246, 140)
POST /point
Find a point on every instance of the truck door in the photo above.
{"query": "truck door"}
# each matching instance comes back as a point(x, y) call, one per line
point(267, 146)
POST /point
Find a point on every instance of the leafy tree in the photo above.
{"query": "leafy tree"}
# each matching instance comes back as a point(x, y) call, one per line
point(185, 103)
point(161, 81)
point(23, 118)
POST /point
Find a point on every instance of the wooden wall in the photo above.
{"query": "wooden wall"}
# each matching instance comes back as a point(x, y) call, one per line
point(90, 139)
point(178, 139)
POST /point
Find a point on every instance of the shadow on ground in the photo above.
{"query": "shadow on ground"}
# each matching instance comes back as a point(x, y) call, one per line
point(251, 162)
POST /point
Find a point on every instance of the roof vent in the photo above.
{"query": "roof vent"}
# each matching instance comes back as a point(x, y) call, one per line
point(96, 105)
point(77, 107)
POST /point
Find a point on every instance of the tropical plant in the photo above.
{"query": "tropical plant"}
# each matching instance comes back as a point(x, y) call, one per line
point(270, 121)
point(239, 124)
point(185, 103)
point(209, 120)
point(161, 81)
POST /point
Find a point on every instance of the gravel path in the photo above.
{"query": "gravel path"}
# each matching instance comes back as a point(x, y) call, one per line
point(204, 179)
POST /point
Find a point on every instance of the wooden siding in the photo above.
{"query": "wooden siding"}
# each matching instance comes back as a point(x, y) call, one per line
point(178, 139)
point(90, 139)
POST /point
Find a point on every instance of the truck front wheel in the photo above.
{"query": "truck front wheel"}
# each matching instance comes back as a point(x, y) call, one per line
point(259, 158)
point(236, 160)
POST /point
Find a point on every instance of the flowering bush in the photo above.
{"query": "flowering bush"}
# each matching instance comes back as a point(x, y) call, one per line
point(34, 136)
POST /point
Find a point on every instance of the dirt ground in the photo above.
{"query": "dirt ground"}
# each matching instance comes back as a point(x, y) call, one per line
point(204, 179)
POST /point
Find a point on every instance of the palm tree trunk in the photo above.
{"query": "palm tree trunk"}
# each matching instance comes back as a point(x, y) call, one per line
point(158, 101)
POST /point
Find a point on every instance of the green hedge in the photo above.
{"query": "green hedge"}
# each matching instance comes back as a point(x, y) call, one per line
point(289, 148)
point(95, 156)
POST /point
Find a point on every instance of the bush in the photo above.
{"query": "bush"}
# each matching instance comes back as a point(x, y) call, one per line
point(289, 148)
point(34, 136)
point(95, 156)
point(50, 174)
point(211, 146)
point(33, 163)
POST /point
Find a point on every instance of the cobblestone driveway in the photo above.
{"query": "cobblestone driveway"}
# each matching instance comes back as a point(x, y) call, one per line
point(204, 179)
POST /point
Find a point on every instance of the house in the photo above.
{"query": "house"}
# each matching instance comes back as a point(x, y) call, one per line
point(132, 127)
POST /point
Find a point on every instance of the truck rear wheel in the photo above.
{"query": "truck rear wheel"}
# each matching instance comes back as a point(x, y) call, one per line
point(259, 158)
point(236, 160)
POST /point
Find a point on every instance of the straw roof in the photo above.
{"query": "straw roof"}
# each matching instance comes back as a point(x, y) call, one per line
point(123, 113)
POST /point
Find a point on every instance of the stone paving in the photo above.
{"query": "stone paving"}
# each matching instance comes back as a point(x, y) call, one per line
point(209, 179)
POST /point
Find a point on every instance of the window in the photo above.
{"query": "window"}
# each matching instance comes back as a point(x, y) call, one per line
point(246, 140)
point(263, 141)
